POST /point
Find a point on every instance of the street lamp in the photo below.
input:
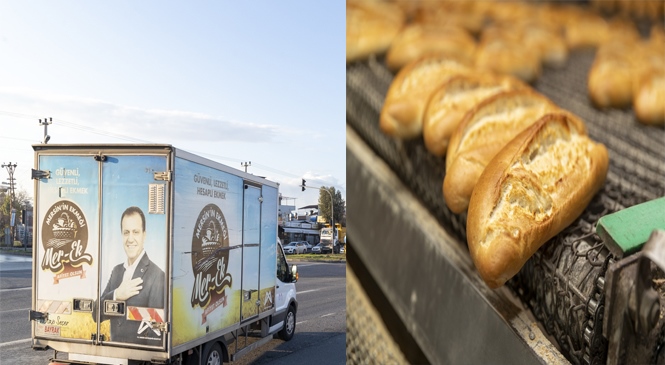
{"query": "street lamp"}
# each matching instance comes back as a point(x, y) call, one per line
point(332, 218)
point(45, 124)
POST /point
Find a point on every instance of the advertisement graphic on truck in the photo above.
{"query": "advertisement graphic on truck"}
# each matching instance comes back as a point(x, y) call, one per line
point(212, 242)
point(67, 248)
point(148, 253)
point(134, 247)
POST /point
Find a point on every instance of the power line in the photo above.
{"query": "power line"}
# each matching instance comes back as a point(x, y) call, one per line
point(105, 133)
point(80, 127)
point(17, 139)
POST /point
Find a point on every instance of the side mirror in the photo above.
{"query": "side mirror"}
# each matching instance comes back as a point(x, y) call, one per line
point(294, 273)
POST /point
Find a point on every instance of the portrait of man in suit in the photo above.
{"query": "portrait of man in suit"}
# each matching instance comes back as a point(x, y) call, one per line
point(138, 282)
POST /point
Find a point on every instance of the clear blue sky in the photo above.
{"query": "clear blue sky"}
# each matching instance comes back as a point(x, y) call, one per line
point(234, 81)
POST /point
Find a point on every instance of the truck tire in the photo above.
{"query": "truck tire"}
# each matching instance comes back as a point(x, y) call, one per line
point(289, 329)
point(213, 355)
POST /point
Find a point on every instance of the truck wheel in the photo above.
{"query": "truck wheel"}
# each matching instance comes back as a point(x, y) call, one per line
point(213, 355)
point(289, 325)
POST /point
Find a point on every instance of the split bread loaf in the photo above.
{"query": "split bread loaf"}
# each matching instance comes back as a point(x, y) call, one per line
point(448, 105)
point(535, 187)
point(404, 105)
point(483, 132)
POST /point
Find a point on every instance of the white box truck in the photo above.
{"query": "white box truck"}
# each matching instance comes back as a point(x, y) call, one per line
point(150, 254)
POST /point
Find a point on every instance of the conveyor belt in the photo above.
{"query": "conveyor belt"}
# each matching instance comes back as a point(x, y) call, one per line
point(563, 283)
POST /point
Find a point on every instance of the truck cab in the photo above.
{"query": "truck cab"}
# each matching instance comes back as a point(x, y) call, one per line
point(286, 304)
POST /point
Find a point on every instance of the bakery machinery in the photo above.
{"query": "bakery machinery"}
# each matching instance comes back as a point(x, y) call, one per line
point(593, 294)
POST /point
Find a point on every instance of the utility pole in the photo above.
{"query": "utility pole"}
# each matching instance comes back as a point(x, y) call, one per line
point(10, 169)
point(45, 124)
point(246, 164)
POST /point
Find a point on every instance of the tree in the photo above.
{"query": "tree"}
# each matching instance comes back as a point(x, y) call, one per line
point(324, 204)
point(20, 200)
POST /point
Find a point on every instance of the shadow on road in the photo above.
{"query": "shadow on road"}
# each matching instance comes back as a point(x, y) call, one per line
point(322, 348)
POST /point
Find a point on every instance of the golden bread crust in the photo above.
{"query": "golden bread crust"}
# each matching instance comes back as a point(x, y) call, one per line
point(404, 105)
point(534, 187)
point(585, 29)
point(417, 40)
point(447, 106)
point(483, 132)
point(649, 99)
point(610, 83)
point(501, 52)
point(371, 28)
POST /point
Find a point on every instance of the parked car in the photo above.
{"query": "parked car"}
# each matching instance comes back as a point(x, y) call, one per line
point(289, 248)
point(295, 247)
point(308, 246)
point(327, 247)
point(317, 248)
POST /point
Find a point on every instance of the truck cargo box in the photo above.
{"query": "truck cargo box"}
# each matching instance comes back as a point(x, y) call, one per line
point(145, 251)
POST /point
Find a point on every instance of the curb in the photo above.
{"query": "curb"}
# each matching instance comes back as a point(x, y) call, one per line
point(15, 251)
point(319, 261)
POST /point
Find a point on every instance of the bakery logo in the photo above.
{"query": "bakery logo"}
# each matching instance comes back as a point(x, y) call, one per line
point(65, 240)
point(210, 258)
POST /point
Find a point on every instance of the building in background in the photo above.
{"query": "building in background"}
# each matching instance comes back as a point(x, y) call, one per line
point(298, 224)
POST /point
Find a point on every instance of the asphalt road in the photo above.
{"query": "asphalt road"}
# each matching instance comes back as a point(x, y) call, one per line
point(15, 293)
point(320, 323)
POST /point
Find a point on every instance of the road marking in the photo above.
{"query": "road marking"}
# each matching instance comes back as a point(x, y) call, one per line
point(301, 265)
point(26, 288)
point(326, 315)
point(307, 291)
point(15, 310)
point(17, 342)
point(301, 322)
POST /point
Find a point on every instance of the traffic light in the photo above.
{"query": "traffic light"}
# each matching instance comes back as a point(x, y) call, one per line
point(303, 184)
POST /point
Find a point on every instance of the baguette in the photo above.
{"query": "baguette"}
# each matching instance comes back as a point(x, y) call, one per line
point(501, 54)
point(649, 100)
point(481, 134)
point(610, 82)
point(618, 68)
point(453, 99)
point(550, 44)
point(371, 28)
point(417, 40)
point(535, 187)
point(404, 106)
point(585, 29)
point(469, 15)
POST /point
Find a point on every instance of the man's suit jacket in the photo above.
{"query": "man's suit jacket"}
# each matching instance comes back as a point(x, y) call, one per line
point(150, 296)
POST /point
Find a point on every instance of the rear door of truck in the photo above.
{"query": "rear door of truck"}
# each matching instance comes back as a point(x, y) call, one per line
point(102, 247)
point(259, 239)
